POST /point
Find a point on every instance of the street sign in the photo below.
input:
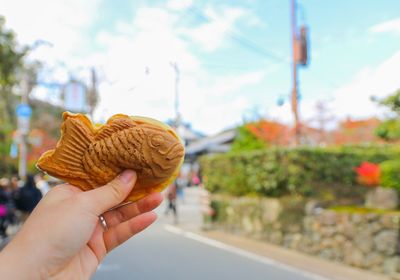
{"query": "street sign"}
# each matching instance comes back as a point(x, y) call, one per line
point(23, 110)
point(75, 97)
point(14, 150)
point(24, 113)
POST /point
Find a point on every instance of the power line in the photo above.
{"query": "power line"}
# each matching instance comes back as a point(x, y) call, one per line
point(229, 66)
point(252, 46)
point(243, 41)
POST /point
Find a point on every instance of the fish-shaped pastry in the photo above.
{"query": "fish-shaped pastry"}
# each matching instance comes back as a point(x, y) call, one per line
point(89, 156)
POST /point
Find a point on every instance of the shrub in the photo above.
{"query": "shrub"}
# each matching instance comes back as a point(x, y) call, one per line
point(369, 174)
point(390, 174)
point(277, 171)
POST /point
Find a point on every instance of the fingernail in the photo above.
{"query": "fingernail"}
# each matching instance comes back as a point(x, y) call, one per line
point(127, 176)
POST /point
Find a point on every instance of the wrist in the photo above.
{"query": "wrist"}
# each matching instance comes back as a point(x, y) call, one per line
point(15, 263)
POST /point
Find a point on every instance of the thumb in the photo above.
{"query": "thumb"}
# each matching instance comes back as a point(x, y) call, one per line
point(113, 193)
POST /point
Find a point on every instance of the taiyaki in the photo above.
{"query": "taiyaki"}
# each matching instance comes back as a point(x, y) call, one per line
point(89, 156)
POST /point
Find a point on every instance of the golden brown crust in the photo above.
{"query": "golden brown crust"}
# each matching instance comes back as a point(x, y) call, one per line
point(89, 156)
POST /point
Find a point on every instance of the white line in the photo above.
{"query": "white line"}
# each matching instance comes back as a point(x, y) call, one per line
point(173, 229)
point(240, 252)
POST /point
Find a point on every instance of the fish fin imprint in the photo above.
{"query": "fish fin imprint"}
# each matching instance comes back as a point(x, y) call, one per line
point(65, 161)
point(115, 124)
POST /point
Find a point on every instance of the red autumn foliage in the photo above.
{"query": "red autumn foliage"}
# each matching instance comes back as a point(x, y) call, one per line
point(271, 132)
point(46, 143)
point(356, 131)
point(368, 174)
point(348, 132)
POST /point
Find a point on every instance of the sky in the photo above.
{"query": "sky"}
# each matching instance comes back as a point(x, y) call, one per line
point(233, 56)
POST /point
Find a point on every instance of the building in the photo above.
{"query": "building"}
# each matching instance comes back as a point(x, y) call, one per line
point(218, 143)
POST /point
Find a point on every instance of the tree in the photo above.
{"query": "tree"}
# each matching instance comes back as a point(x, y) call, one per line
point(390, 129)
point(393, 103)
point(271, 132)
point(11, 64)
point(322, 119)
point(246, 141)
point(260, 134)
point(356, 131)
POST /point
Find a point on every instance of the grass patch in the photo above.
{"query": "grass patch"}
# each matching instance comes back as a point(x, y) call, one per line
point(362, 210)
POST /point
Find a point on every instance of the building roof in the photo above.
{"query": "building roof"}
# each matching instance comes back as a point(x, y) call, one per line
point(215, 143)
point(188, 134)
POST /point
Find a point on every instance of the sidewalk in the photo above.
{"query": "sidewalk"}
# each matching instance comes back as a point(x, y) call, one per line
point(315, 265)
point(190, 222)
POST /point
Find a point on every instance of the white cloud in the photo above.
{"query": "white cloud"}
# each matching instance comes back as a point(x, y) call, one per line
point(179, 4)
point(354, 98)
point(229, 84)
point(284, 113)
point(54, 21)
point(135, 60)
point(387, 26)
point(222, 115)
point(153, 46)
point(280, 113)
point(61, 24)
point(211, 34)
point(218, 105)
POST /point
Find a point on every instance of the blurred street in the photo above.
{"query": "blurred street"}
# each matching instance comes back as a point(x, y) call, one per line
point(163, 252)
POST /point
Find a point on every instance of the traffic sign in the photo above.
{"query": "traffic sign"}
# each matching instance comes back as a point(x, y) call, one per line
point(23, 110)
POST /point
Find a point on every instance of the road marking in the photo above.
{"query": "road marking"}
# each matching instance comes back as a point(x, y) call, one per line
point(240, 252)
point(108, 267)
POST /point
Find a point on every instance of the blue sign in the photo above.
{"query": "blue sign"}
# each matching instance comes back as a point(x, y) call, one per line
point(14, 150)
point(24, 111)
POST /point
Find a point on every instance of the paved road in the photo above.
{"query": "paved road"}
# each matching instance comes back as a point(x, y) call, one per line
point(162, 253)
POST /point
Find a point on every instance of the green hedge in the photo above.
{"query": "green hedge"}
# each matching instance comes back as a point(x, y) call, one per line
point(390, 174)
point(277, 171)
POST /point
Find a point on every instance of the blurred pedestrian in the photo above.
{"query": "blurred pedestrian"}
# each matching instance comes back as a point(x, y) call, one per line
point(171, 197)
point(12, 190)
point(195, 178)
point(42, 184)
point(180, 183)
point(27, 197)
point(14, 183)
point(4, 209)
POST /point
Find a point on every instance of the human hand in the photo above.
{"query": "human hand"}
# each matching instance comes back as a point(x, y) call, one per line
point(64, 239)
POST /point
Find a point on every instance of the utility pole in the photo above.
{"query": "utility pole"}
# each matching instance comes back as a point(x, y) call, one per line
point(294, 97)
point(93, 94)
point(299, 57)
point(174, 65)
point(23, 113)
point(179, 127)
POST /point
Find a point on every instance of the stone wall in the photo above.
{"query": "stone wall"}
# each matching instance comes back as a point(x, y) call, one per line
point(368, 240)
